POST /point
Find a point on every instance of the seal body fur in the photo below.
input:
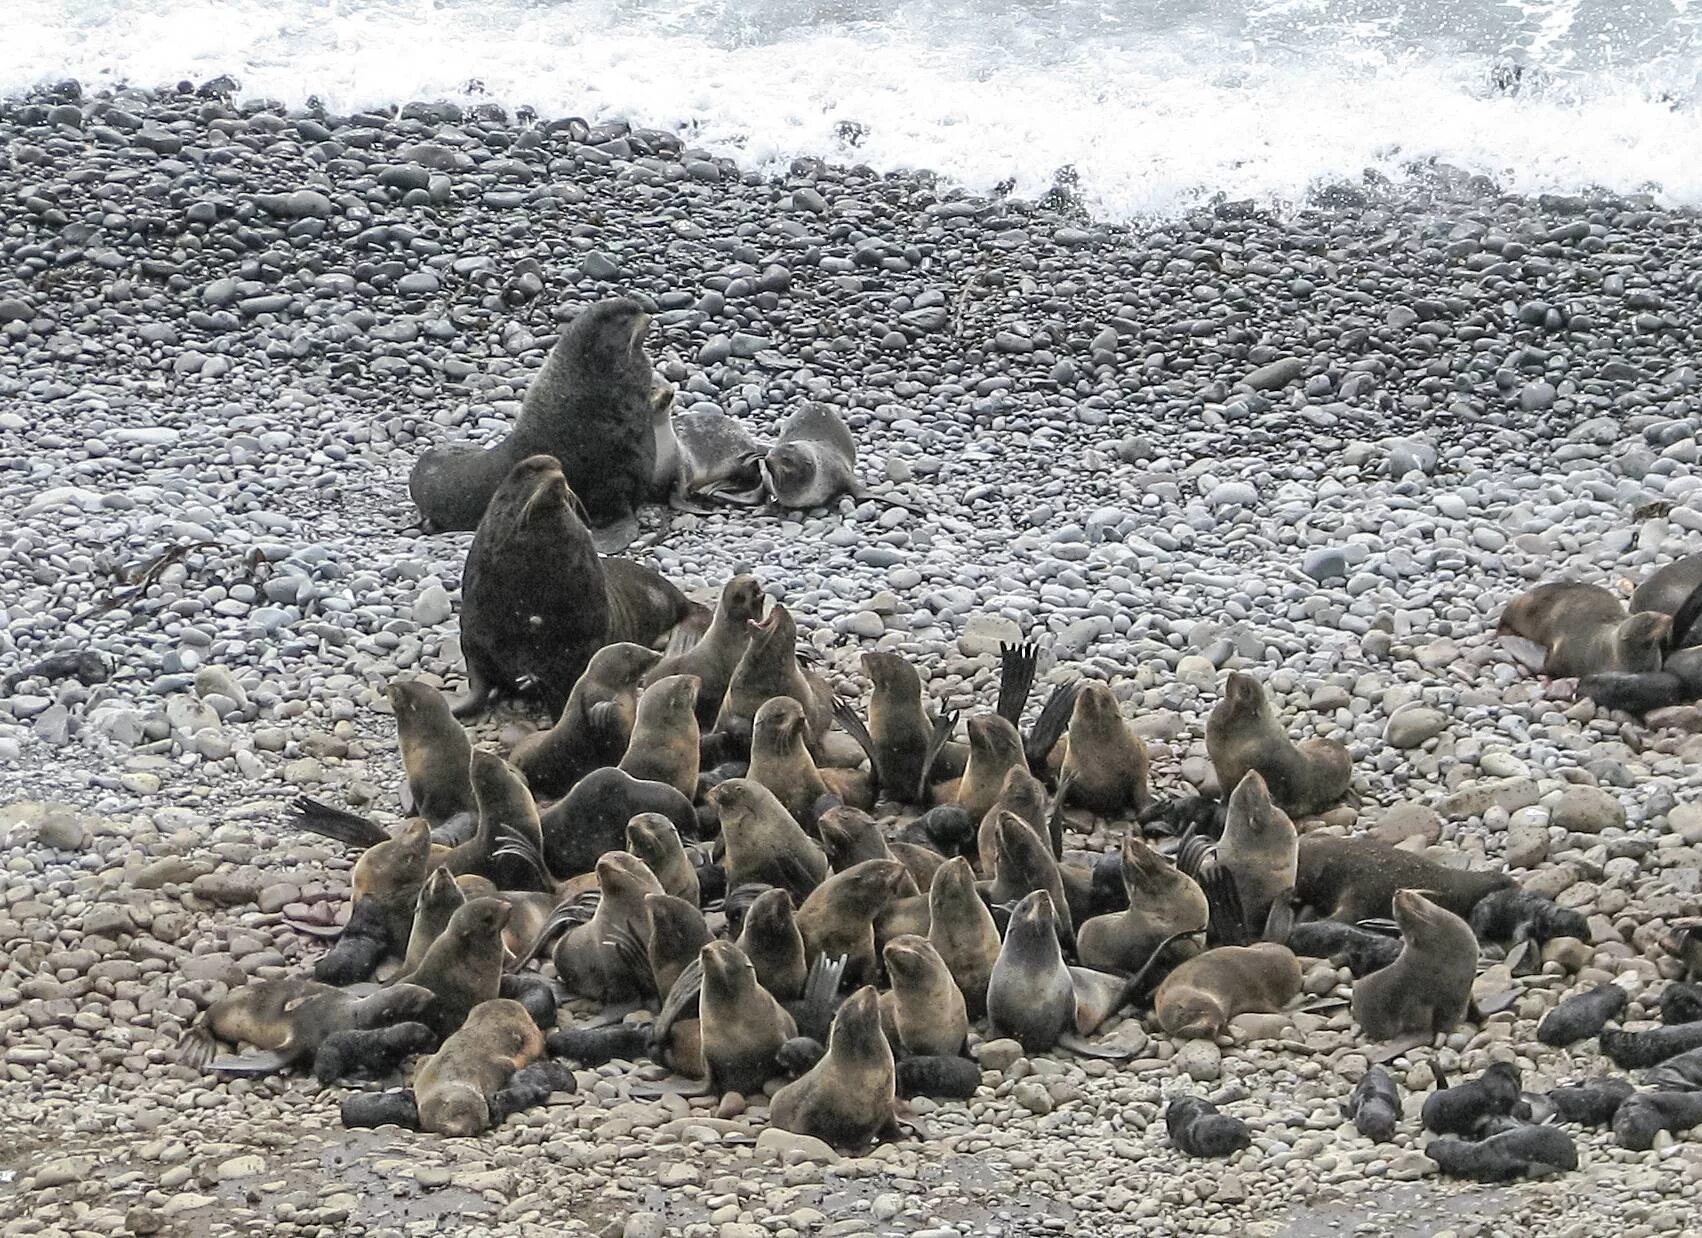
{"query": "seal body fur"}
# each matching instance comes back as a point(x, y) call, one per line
point(1202, 995)
point(1242, 733)
point(1585, 630)
point(454, 1086)
point(1428, 987)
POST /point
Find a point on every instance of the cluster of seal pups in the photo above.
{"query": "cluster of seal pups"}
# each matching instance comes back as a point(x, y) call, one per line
point(599, 410)
point(765, 888)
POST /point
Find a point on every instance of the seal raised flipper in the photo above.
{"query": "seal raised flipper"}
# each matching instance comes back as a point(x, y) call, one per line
point(576, 911)
point(1050, 726)
point(1017, 664)
point(943, 727)
point(814, 1012)
point(315, 817)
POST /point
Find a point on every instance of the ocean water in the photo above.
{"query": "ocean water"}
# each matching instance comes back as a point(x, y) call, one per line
point(1147, 105)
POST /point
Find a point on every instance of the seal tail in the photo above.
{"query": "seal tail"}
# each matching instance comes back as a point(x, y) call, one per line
point(1016, 679)
point(1050, 726)
point(315, 817)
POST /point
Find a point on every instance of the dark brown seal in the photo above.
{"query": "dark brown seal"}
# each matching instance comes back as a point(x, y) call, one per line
point(1243, 733)
point(847, 1098)
point(1105, 764)
point(1428, 987)
point(454, 1086)
point(742, 1025)
point(595, 725)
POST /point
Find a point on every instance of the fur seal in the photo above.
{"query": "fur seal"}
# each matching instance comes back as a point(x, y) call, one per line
point(774, 946)
point(995, 749)
point(1242, 733)
point(1582, 1015)
point(1521, 1152)
point(1104, 762)
point(592, 818)
point(506, 808)
point(718, 651)
point(1203, 994)
point(1585, 630)
point(534, 599)
point(741, 1023)
point(928, 1014)
point(1260, 849)
point(838, 917)
point(370, 1053)
point(1163, 901)
point(594, 959)
point(962, 930)
point(769, 668)
point(781, 761)
point(1022, 794)
point(1354, 879)
point(439, 900)
point(593, 406)
point(851, 836)
point(595, 725)
point(288, 1018)
point(899, 731)
point(1374, 1106)
point(454, 1086)
point(664, 744)
point(764, 843)
point(717, 460)
point(1197, 1128)
point(383, 893)
point(463, 967)
point(1427, 989)
point(1024, 864)
point(436, 756)
point(654, 839)
point(814, 459)
point(1030, 996)
point(847, 1098)
point(1667, 589)
point(678, 933)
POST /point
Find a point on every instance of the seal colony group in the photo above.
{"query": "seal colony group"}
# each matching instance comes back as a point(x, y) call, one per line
point(768, 890)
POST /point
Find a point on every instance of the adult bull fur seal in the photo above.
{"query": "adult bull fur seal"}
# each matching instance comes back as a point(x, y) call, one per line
point(592, 818)
point(436, 752)
point(847, 1098)
point(1585, 630)
point(454, 1086)
point(595, 725)
point(593, 406)
point(1428, 987)
point(1210, 989)
point(1242, 733)
point(1354, 879)
point(1105, 764)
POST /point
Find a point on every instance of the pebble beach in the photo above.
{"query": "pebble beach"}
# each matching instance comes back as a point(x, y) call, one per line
point(1326, 445)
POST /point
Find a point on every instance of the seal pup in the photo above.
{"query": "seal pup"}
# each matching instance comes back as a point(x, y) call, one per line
point(769, 668)
point(592, 818)
point(383, 893)
point(1104, 762)
point(764, 844)
point(1584, 630)
point(439, 899)
point(593, 406)
point(924, 1008)
point(534, 599)
point(664, 744)
point(436, 756)
point(741, 1023)
point(1428, 987)
point(1197, 1128)
point(846, 1099)
point(656, 840)
point(781, 761)
point(718, 651)
point(1242, 733)
point(453, 1088)
point(1163, 902)
point(288, 1019)
point(463, 967)
point(595, 725)
point(1204, 993)
point(814, 459)
point(718, 462)
point(838, 917)
point(1260, 848)
point(962, 930)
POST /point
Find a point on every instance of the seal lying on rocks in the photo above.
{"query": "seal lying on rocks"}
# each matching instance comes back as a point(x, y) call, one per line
point(814, 459)
point(593, 407)
point(1584, 630)
point(288, 1019)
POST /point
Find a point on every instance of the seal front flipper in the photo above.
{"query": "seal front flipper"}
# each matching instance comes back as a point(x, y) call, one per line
point(1016, 678)
point(1279, 921)
point(476, 699)
point(813, 1013)
point(680, 1003)
point(612, 538)
point(320, 818)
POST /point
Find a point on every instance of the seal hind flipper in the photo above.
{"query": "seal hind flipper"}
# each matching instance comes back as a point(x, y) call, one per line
point(254, 1065)
point(680, 1003)
point(574, 912)
point(316, 817)
point(1050, 726)
point(515, 844)
point(1226, 924)
point(943, 727)
point(851, 722)
point(1016, 678)
point(1055, 818)
point(616, 536)
point(1082, 1048)
point(631, 953)
point(814, 1011)
point(196, 1047)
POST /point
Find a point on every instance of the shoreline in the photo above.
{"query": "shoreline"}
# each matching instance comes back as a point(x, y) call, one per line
point(1328, 445)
